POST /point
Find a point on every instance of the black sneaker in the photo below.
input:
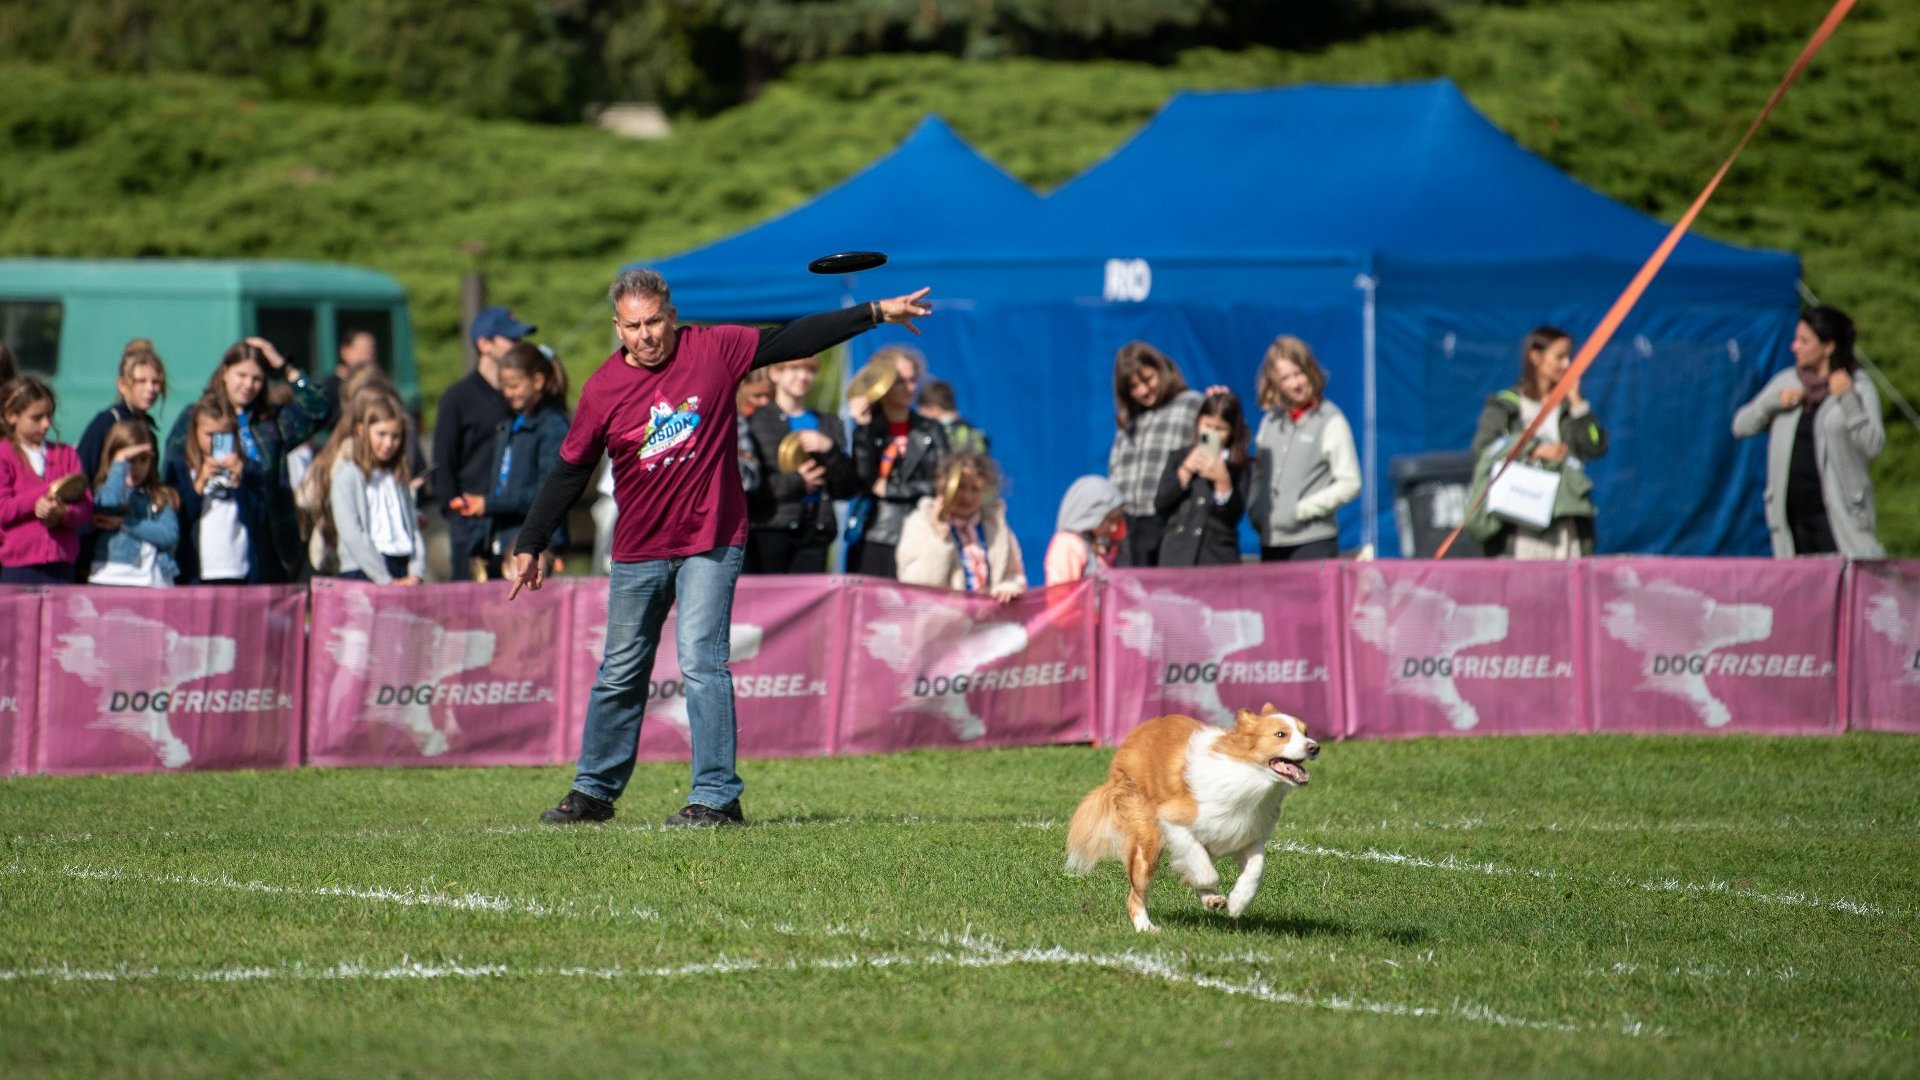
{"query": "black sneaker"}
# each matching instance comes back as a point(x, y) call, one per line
point(578, 806)
point(696, 816)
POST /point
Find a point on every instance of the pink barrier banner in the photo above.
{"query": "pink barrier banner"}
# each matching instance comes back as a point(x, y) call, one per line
point(931, 668)
point(787, 639)
point(143, 680)
point(19, 677)
point(1462, 648)
point(1702, 645)
point(1882, 656)
point(1207, 644)
point(440, 675)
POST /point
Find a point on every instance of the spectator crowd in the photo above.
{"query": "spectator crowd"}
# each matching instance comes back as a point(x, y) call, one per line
point(272, 474)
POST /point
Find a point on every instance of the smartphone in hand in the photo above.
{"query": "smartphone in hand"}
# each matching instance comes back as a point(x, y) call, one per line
point(222, 443)
point(1211, 441)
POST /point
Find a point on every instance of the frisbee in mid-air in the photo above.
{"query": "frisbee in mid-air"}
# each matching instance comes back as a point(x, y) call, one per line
point(847, 262)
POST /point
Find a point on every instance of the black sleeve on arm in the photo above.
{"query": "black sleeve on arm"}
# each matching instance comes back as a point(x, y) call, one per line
point(563, 488)
point(812, 334)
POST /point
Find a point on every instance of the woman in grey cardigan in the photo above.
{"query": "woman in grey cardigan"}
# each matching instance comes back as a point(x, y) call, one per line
point(1823, 428)
point(1305, 467)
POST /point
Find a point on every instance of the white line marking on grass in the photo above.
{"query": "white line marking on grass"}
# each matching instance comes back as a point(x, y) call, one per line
point(1491, 869)
point(1785, 823)
point(408, 896)
point(977, 955)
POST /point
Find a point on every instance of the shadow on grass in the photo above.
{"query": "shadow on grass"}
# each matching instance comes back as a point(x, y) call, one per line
point(1257, 924)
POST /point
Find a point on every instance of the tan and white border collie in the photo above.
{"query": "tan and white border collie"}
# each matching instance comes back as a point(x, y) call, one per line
point(1200, 792)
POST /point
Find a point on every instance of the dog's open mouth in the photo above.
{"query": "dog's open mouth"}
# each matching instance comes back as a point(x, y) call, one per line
point(1292, 772)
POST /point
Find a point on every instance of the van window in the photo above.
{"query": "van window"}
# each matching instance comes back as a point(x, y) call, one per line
point(291, 329)
point(376, 321)
point(31, 328)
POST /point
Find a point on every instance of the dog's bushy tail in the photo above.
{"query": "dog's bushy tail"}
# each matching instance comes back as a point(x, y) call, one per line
point(1094, 833)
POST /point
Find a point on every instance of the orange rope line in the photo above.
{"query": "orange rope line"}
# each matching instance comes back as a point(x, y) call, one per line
point(1618, 313)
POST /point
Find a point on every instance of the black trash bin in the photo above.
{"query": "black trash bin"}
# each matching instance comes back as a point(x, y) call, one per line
point(1429, 499)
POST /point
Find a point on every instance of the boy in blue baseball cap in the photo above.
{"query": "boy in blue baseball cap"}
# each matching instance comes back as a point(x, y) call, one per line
point(470, 411)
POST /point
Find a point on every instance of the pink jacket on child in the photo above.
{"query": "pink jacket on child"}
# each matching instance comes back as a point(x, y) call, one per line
point(25, 540)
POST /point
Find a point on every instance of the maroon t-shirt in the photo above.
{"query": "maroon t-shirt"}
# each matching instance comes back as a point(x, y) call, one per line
point(670, 432)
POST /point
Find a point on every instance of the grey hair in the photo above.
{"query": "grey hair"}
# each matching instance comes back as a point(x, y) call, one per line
point(638, 282)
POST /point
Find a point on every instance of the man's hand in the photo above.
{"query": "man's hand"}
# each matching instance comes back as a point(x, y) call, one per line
point(902, 310)
point(527, 570)
point(813, 442)
point(471, 505)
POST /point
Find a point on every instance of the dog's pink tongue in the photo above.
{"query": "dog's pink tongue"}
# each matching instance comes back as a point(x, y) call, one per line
point(1293, 772)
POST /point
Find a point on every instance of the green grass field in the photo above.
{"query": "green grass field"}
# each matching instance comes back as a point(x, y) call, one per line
point(1571, 906)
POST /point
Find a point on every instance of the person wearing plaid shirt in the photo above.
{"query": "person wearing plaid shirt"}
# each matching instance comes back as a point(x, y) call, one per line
point(1154, 412)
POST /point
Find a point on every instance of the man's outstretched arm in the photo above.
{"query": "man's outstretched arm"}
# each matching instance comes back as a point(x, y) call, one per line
point(811, 335)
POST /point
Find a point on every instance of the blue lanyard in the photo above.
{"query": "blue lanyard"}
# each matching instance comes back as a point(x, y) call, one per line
point(506, 456)
point(959, 545)
point(248, 444)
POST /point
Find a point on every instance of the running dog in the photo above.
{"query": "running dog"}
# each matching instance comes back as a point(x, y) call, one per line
point(1200, 792)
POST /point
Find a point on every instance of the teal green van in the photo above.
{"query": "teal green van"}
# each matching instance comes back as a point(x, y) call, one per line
point(67, 320)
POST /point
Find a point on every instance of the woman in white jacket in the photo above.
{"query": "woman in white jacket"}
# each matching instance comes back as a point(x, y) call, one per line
point(1304, 465)
point(958, 538)
point(1823, 429)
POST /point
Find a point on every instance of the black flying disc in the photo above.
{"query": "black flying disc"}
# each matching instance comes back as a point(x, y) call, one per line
point(847, 262)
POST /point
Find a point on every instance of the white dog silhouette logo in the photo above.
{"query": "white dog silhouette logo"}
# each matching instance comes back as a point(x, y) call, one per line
point(1885, 617)
point(938, 648)
point(1192, 639)
point(404, 656)
point(1421, 630)
point(114, 650)
point(667, 699)
point(1677, 629)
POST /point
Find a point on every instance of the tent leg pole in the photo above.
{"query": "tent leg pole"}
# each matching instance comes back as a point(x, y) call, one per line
point(1369, 484)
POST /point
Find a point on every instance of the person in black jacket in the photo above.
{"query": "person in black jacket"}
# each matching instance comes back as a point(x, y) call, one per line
point(525, 447)
point(1203, 490)
point(790, 521)
point(897, 453)
point(471, 411)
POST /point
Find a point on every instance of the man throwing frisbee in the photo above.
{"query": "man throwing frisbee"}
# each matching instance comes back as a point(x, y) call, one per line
point(662, 407)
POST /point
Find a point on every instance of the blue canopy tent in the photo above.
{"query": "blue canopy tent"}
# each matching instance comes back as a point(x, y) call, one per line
point(1403, 235)
point(932, 184)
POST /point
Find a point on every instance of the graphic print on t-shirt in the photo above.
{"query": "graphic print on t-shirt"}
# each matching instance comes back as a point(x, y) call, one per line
point(668, 427)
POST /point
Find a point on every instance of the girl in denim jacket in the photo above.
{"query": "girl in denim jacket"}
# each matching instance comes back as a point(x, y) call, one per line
point(140, 552)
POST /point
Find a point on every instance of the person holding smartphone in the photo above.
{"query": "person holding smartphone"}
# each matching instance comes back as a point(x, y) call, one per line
point(1203, 488)
point(266, 426)
point(223, 515)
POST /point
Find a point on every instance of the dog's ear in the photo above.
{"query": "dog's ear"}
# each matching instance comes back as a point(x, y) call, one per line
point(1268, 709)
point(1246, 718)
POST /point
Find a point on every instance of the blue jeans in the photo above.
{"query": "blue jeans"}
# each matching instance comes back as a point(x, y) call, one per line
point(640, 594)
